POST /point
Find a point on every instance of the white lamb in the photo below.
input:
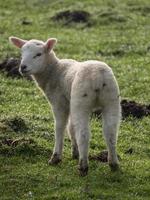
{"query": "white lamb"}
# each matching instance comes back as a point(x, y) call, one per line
point(74, 89)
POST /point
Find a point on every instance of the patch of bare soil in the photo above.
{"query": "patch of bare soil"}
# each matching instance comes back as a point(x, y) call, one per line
point(130, 108)
point(10, 66)
point(23, 146)
point(102, 156)
point(76, 16)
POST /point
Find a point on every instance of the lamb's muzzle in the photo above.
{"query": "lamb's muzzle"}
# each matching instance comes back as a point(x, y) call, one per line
point(23, 69)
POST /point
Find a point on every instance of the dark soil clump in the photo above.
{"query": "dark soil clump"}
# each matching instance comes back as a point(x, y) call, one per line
point(22, 146)
point(76, 16)
point(10, 66)
point(102, 156)
point(130, 108)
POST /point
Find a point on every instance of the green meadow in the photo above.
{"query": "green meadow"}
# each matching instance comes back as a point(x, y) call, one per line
point(116, 32)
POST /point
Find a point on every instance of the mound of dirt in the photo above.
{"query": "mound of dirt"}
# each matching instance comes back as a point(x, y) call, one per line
point(76, 16)
point(130, 108)
point(102, 156)
point(10, 66)
point(23, 146)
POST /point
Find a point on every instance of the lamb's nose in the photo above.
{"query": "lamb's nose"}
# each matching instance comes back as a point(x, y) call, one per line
point(23, 68)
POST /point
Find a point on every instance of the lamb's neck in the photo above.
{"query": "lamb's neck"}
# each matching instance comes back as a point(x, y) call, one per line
point(47, 76)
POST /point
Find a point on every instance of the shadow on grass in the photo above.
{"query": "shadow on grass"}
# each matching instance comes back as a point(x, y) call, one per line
point(110, 16)
point(143, 10)
point(124, 50)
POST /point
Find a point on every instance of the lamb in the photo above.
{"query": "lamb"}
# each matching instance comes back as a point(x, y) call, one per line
point(73, 90)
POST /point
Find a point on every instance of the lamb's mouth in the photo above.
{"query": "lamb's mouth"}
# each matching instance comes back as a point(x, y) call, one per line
point(25, 72)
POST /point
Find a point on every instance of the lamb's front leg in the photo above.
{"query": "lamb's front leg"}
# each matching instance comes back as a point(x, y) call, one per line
point(61, 118)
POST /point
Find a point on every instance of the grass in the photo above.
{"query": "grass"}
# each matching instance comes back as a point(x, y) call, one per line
point(117, 33)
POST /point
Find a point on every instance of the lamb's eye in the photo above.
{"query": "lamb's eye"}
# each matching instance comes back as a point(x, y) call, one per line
point(37, 55)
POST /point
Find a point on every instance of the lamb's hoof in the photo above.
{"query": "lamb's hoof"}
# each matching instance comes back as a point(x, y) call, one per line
point(55, 159)
point(83, 168)
point(114, 167)
point(83, 171)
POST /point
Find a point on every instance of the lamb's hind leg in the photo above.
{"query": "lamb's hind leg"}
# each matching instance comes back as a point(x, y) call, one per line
point(71, 132)
point(111, 120)
point(80, 120)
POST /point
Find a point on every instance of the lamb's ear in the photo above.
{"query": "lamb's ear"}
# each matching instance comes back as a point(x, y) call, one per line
point(17, 41)
point(50, 43)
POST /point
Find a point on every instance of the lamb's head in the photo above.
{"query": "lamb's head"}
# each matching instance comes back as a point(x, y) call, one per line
point(34, 54)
